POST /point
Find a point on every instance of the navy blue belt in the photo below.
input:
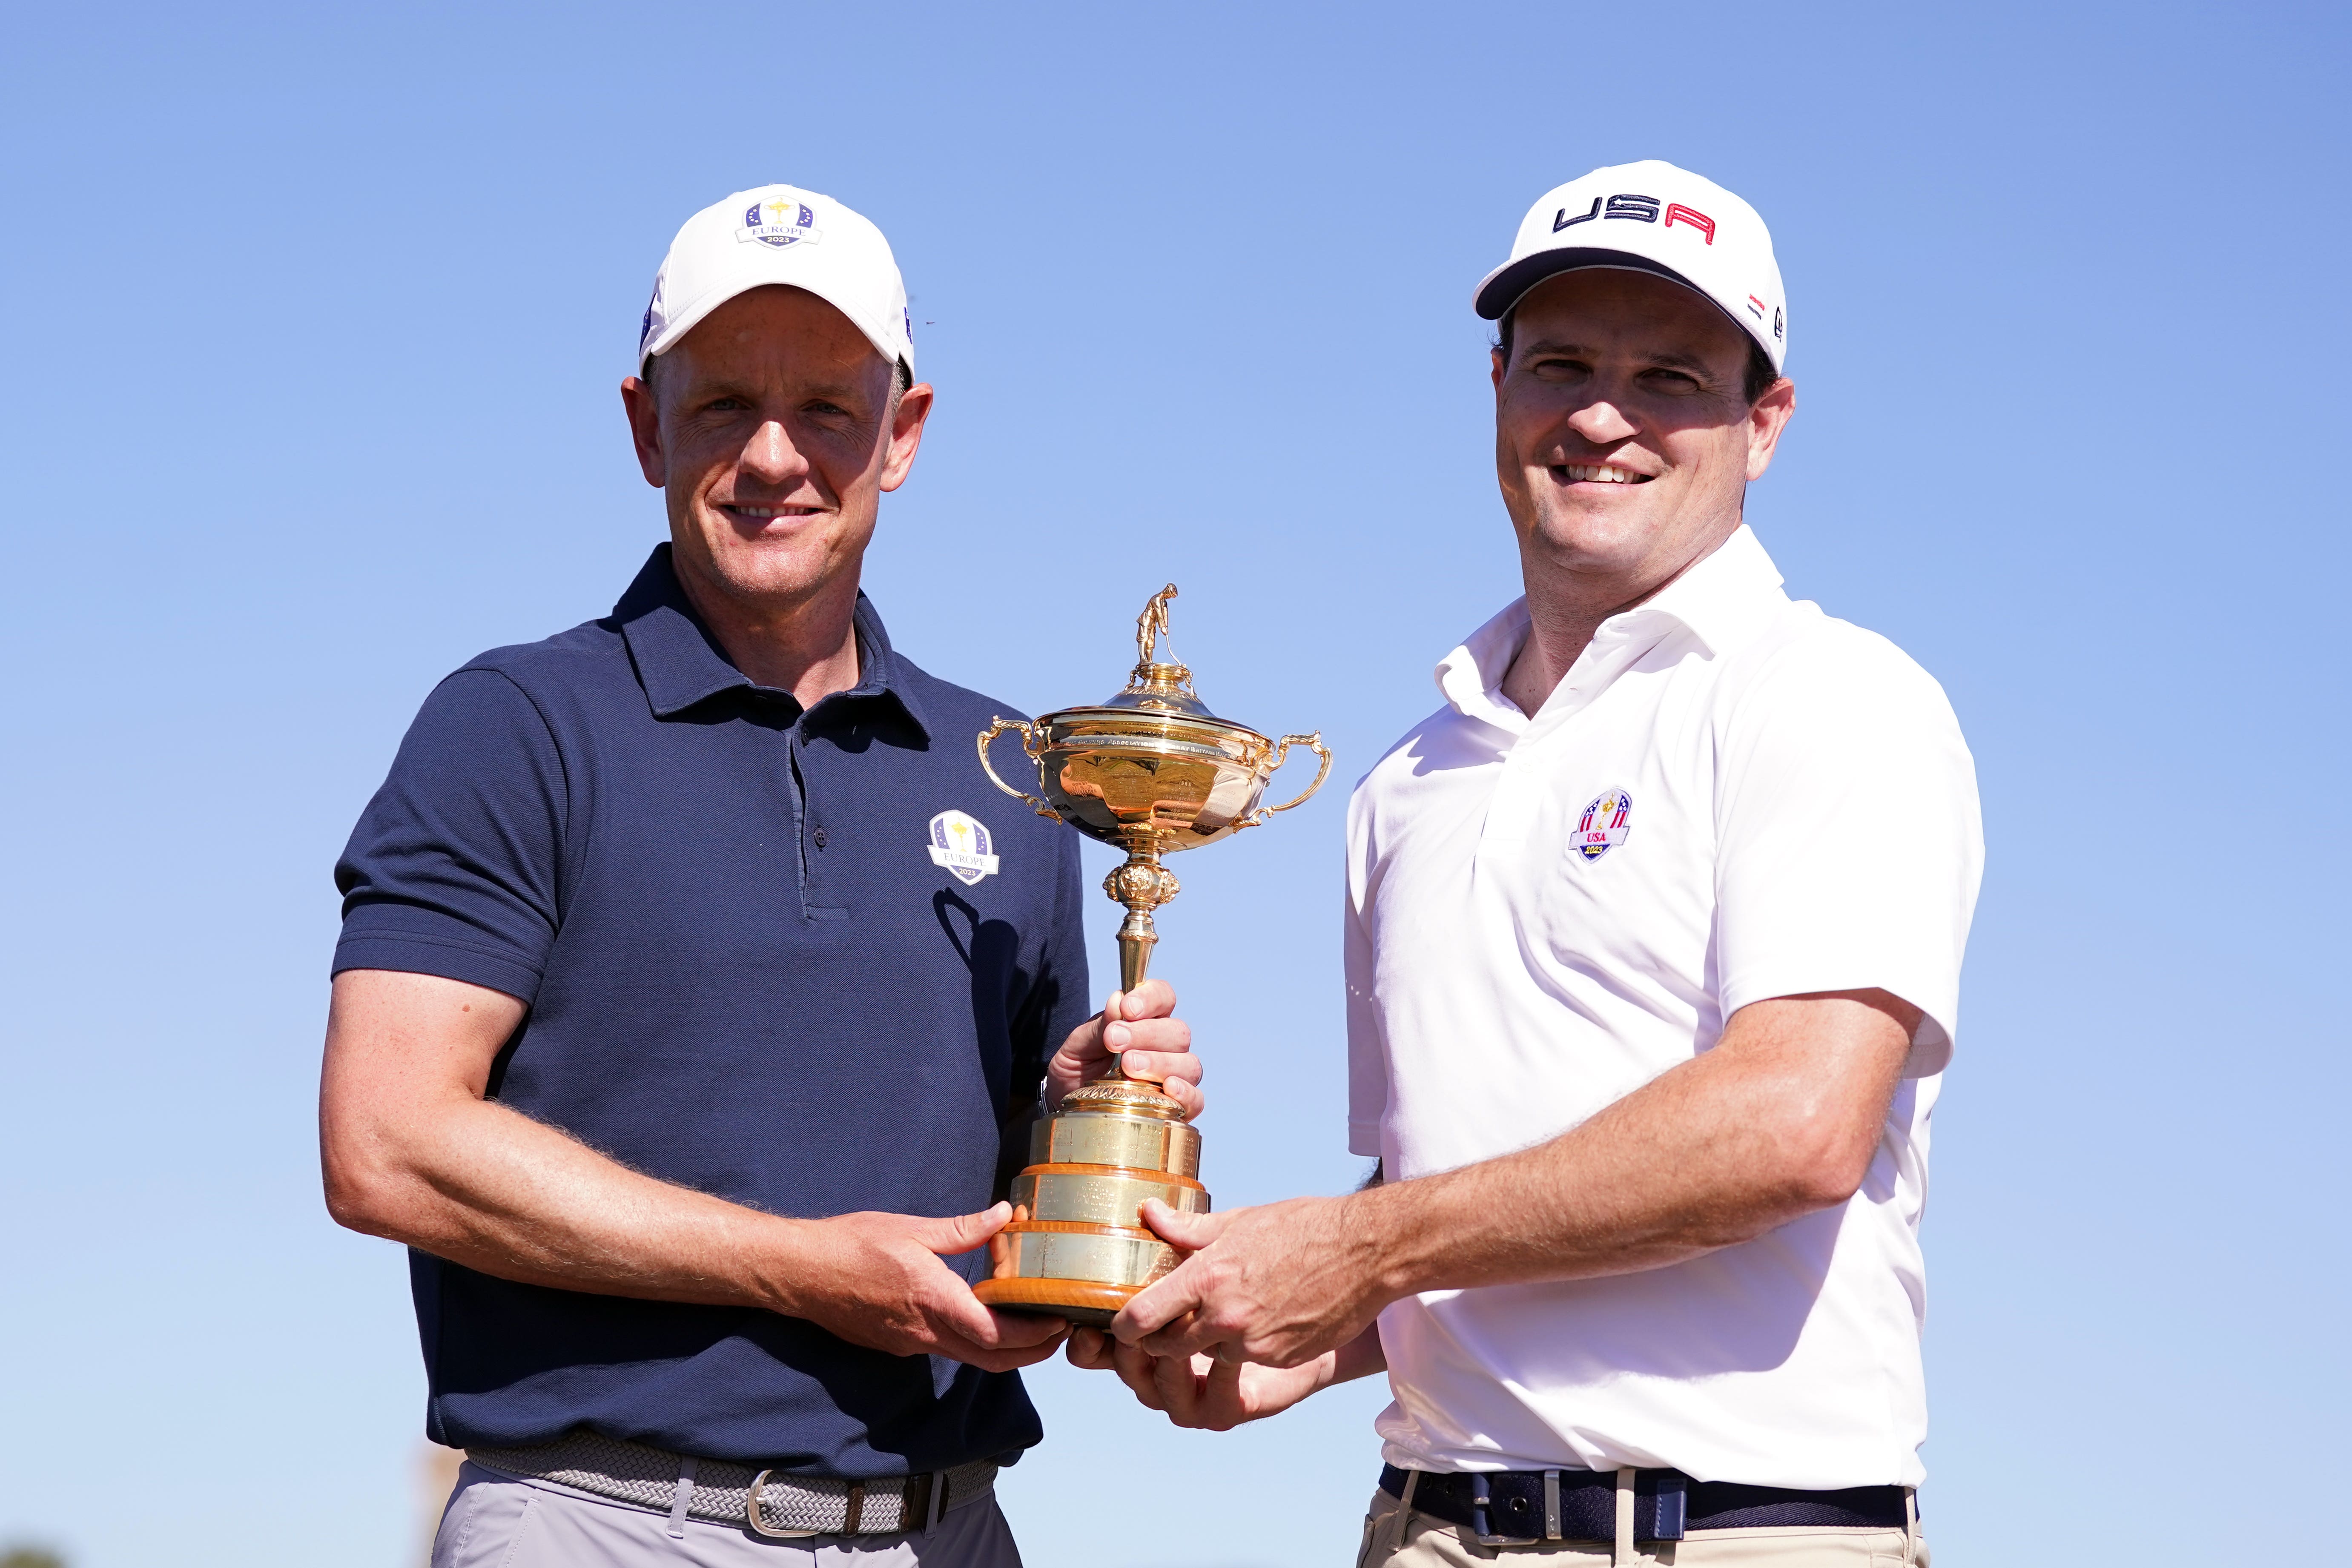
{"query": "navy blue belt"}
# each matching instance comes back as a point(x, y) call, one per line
point(1513, 1507)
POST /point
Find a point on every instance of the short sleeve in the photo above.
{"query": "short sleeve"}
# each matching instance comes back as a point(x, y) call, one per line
point(1367, 1057)
point(454, 868)
point(1849, 844)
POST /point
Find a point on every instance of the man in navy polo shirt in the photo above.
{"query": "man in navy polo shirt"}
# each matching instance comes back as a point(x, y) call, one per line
point(690, 982)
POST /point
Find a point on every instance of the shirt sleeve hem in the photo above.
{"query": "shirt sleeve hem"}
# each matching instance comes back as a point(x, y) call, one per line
point(408, 954)
point(1364, 1139)
point(1931, 1048)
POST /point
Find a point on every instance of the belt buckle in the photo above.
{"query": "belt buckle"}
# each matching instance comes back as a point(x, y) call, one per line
point(1485, 1540)
point(751, 1514)
point(1480, 1501)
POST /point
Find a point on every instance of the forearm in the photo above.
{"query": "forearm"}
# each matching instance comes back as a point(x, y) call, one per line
point(1565, 1210)
point(1360, 1357)
point(483, 1185)
point(411, 1150)
point(1717, 1151)
point(1269, 1389)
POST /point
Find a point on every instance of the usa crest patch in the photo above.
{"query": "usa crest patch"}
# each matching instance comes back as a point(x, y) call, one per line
point(959, 843)
point(1604, 825)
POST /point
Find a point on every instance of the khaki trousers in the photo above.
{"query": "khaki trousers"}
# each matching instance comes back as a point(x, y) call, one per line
point(1428, 1542)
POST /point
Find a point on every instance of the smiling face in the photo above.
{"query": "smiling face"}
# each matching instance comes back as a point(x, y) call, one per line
point(1623, 436)
point(772, 431)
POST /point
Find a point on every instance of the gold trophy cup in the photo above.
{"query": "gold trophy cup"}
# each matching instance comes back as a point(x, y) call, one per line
point(1151, 771)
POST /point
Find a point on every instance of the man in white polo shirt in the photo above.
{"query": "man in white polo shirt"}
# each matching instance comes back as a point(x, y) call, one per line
point(1653, 940)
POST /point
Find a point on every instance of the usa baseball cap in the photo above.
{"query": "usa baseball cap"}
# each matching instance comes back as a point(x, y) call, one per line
point(780, 234)
point(1651, 217)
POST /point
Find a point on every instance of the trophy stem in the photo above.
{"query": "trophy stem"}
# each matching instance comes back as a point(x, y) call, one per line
point(1142, 884)
point(1135, 940)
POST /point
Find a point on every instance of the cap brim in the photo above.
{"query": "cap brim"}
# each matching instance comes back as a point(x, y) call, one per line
point(674, 330)
point(1506, 286)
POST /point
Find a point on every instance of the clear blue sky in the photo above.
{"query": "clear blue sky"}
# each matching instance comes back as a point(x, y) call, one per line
point(315, 315)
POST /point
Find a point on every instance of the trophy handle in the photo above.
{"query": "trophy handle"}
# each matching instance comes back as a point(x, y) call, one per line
point(1028, 739)
point(1281, 754)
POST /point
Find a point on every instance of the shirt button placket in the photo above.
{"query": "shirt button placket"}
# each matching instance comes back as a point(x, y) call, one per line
point(810, 759)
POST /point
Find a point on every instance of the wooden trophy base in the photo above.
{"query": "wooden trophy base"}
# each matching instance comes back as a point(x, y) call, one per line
point(1085, 1303)
point(1077, 1247)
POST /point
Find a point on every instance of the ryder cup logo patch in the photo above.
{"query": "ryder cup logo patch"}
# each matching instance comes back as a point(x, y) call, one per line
point(961, 843)
point(1604, 825)
point(779, 223)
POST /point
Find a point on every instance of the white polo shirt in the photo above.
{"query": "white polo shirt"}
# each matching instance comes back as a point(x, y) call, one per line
point(1730, 796)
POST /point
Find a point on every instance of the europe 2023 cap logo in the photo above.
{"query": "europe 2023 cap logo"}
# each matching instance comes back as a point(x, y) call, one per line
point(780, 223)
point(1606, 824)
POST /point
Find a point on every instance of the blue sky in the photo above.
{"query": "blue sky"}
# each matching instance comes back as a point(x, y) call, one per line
point(317, 318)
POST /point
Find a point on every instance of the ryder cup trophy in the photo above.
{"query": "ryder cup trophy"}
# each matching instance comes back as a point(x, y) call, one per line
point(1151, 771)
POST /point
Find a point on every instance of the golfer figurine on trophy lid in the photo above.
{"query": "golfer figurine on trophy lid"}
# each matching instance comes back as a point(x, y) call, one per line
point(1151, 771)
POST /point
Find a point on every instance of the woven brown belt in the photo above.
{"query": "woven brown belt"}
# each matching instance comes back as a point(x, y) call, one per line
point(721, 1492)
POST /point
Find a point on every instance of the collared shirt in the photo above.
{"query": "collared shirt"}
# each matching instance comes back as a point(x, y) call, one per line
point(1728, 797)
point(800, 960)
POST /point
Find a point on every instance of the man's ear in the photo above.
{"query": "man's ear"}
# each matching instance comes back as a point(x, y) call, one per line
point(1766, 420)
point(645, 430)
point(906, 434)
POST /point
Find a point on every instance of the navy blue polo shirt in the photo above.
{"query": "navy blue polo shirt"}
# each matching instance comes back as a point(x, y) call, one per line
point(747, 973)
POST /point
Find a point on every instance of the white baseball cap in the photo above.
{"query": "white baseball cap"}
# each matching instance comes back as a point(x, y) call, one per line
point(780, 234)
point(1651, 217)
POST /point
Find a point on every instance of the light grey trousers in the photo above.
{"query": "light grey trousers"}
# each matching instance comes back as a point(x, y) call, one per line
point(501, 1521)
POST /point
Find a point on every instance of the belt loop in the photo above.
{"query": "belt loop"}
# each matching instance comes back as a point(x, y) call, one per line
point(684, 1499)
point(1911, 1527)
point(1404, 1510)
point(1551, 1505)
point(1670, 1507)
point(1621, 1554)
